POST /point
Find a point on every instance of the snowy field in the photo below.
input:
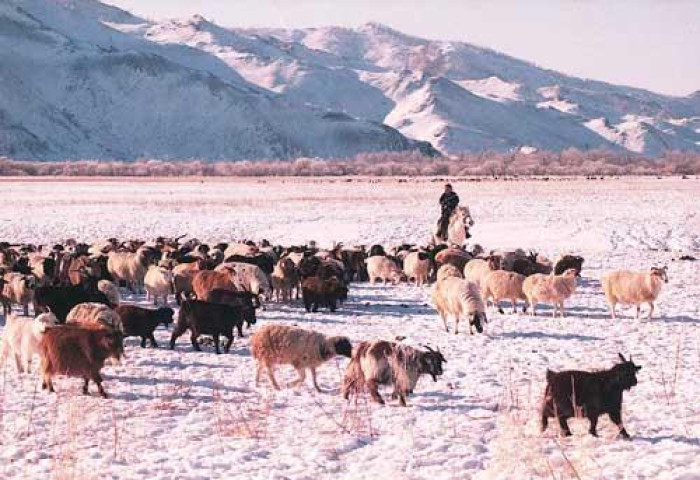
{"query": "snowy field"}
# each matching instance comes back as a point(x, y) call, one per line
point(188, 415)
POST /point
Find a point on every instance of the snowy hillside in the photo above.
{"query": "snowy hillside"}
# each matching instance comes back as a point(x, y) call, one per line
point(82, 79)
point(73, 87)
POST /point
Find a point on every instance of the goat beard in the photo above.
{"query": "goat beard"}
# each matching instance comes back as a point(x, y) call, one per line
point(434, 377)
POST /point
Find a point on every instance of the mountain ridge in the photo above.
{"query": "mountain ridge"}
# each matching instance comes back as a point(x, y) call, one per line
point(89, 80)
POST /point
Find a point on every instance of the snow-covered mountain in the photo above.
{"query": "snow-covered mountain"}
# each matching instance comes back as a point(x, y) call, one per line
point(72, 86)
point(80, 79)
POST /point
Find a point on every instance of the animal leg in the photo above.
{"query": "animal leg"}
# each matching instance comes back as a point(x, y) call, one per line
point(373, 388)
point(564, 426)
point(301, 371)
point(143, 342)
point(444, 321)
point(216, 343)
point(195, 345)
point(651, 311)
point(85, 385)
point(227, 347)
point(544, 420)
point(616, 418)
point(594, 424)
point(515, 307)
point(97, 378)
point(152, 338)
point(26, 309)
point(271, 376)
point(258, 374)
point(313, 378)
point(457, 325)
point(19, 363)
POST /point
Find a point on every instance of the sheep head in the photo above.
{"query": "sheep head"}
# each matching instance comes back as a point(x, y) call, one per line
point(477, 319)
point(662, 273)
point(342, 346)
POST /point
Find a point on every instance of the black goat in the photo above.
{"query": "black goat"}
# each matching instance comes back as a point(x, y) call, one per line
point(575, 393)
point(568, 261)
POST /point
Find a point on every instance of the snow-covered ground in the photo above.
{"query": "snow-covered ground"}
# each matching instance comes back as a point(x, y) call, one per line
point(191, 415)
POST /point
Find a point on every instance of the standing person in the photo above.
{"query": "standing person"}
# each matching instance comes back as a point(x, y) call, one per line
point(448, 202)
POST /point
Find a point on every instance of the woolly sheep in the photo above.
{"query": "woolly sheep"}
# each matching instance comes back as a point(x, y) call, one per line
point(634, 288)
point(279, 344)
point(478, 268)
point(110, 290)
point(458, 297)
point(447, 271)
point(416, 265)
point(501, 285)
point(550, 288)
point(158, 283)
point(96, 315)
point(21, 338)
point(384, 269)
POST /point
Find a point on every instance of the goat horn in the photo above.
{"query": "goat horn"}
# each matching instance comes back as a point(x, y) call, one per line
point(621, 357)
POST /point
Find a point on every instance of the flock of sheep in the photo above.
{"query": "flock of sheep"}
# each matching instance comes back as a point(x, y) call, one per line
point(80, 321)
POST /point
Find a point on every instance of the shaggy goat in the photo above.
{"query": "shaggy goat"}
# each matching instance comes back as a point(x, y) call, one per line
point(386, 363)
point(77, 351)
point(142, 322)
point(590, 394)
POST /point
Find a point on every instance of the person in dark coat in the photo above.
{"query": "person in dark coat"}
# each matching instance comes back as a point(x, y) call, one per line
point(448, 202)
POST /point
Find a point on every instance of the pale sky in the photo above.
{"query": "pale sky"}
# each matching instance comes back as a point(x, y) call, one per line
point(652, 44)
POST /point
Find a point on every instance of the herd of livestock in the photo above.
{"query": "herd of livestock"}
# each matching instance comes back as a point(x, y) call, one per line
point(80, 321)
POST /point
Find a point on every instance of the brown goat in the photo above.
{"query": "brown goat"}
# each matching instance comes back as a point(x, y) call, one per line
point(208, 280)
point(77, 352)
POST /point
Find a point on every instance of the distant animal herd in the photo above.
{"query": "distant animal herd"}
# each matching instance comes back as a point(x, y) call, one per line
point(80, 322)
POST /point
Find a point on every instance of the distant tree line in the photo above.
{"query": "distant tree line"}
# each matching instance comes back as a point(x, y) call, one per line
point(565, 163)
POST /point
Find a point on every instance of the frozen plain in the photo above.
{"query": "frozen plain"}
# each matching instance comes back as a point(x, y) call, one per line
point(194, 415)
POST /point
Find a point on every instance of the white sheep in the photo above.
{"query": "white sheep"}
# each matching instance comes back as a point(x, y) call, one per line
point(416, 266)
point(158, 282)
point(282, 345)
point(21, 338)
point(111, 291)
point(501, 285)
point(459, 297)
point(18, 289)
point(95, 315)
point(475, 270)
point(550, 288)
point(633, 288)
point(448, 270)
point(129, 267)
point(384, 269)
